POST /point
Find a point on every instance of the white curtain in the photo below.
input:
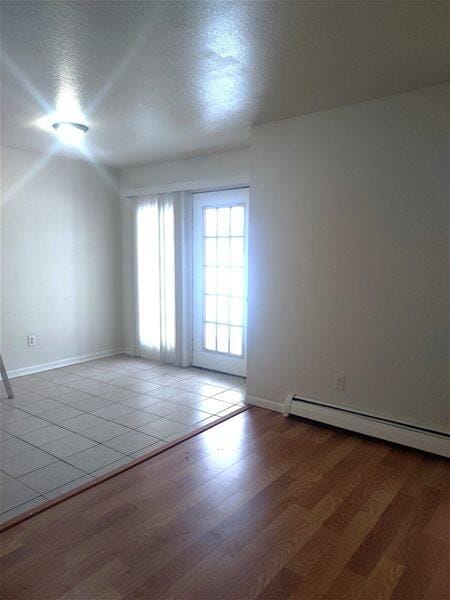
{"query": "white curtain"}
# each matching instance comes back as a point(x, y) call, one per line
point(155, 278)
point(162, 266)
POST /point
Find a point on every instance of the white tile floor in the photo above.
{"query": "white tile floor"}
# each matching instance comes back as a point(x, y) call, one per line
point(69, 425)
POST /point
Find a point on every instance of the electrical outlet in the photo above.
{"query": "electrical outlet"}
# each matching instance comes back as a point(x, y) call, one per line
point(339, 382)
point(31, 340)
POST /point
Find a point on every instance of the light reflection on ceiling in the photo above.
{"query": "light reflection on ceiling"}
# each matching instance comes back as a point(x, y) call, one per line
point(164, 80)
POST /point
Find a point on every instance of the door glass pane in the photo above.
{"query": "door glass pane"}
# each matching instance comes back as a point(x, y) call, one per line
point(210, 222)
point(210, 336)
point(237, 252)
point(236, 341)
point(210, 280)
point(223, 278)
point(236, 284)
point(223, 251)
point(236, 311)
point(222, 309)
point(222, 338)
point(210, 309)
point(210, 251)
point(237, 220)
point(223, 221)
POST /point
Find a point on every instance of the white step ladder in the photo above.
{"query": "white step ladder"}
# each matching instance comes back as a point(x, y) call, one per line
point(5, 379)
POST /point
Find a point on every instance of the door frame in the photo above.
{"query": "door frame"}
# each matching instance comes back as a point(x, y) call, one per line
point(208, 359)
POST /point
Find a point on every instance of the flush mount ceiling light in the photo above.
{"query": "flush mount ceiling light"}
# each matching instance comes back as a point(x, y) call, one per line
point(70, 133)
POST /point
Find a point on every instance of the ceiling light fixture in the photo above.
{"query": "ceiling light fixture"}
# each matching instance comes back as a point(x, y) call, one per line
point(70, 133)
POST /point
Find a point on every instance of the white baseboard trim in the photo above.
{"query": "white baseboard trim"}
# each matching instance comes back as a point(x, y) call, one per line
point(400, 434)
point(65, 362)
point(262, 403)
point(129, 351)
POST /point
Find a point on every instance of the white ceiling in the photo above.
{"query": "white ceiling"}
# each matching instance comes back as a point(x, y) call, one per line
point(163, 80)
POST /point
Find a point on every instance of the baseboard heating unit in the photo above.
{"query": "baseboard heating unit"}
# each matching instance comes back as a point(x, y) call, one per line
point(437, 442)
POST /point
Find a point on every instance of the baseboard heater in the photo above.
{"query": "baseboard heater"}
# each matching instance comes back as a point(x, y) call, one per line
point(437, 442)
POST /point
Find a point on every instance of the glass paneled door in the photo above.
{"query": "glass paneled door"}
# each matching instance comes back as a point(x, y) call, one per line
point(220, 280)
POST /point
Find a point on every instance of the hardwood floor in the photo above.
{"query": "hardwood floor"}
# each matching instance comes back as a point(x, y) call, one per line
point(259, 506)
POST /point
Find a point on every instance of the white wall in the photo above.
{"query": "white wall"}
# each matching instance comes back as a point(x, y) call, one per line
point(61, 261)
point(229, 167)
point(224, 164)
point(349, 257)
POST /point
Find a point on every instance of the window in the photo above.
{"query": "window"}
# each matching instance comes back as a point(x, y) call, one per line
point(224, 279)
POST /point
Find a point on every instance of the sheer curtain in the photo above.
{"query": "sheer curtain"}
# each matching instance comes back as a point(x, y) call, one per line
point(155, 278)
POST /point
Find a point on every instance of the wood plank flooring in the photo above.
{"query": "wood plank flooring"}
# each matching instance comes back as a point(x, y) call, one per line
point(257, 507)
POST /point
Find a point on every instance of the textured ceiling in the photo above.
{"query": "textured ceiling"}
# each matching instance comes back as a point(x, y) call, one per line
point(162, 80)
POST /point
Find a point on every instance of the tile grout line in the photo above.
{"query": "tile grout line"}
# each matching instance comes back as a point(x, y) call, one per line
point(106, 476)
point(192, 427)
point(116, 401)
point(100, 443)
point(99, 417)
